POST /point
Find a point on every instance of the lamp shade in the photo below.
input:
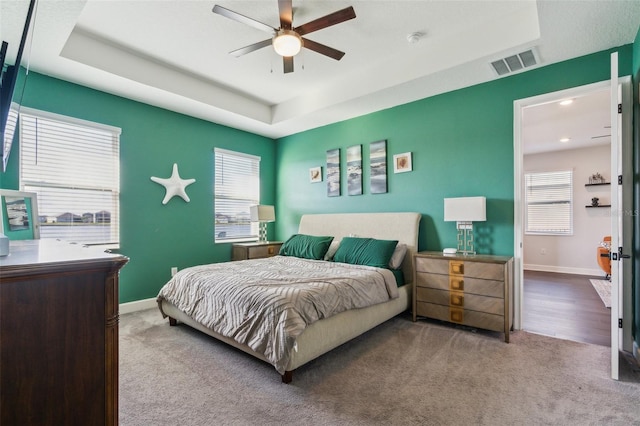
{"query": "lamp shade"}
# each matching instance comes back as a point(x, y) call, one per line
point(262, 213)
point(465, 209)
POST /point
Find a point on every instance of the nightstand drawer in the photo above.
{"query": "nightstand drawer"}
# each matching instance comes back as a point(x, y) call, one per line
point(263, 251)
point(461, 316)
point(244, 251)
point(468, 285)
point(491, 305)
point(461, 267)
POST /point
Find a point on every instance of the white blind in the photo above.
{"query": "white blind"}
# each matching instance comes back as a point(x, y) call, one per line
point(549, 200)
point(74, 168)
point(237, 187)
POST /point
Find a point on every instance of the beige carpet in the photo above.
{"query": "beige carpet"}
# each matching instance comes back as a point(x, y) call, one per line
point(603, 287)
point(401, 373)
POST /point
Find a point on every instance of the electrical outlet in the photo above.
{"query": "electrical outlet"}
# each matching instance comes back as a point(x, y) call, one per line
point(174, 270)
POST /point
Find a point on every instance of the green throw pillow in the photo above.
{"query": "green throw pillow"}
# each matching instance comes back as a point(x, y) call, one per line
point(306, 246)
point(365, 251)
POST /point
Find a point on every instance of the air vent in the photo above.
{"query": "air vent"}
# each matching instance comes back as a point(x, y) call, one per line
point(514, 63)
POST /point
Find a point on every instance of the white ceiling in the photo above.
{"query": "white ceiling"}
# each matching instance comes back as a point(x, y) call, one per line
point(174, 54)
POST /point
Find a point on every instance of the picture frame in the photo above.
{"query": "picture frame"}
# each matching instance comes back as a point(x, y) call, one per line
point(19, 214)
point(378, 167)
point(354, 170)
point(402, 163)
point(315, 174)
point(333, 172)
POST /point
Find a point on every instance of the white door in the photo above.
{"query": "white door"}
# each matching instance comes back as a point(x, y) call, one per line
point(621, 203)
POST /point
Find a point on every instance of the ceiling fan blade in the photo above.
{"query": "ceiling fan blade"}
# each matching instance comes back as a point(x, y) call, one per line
point(244, 19)
point(326, 21)
point(323, 49)
point(250, 48)
point(287, 61)
point(286, 14)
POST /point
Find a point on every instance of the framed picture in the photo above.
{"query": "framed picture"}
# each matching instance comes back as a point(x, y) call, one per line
point(354, 170)
point(19, 211)
point(315, 174)
point(378, 165)
point(402, 163)
point(333, 172)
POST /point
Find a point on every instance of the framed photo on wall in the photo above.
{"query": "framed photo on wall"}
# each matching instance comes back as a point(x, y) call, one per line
point(19, 214)
point(402, 163)
point(315, 174)
point(333, 172)
point(354, 170)
point(378, 165)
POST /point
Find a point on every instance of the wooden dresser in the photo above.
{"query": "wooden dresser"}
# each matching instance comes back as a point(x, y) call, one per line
point(474, 290)
point(59, 334)
point(257, 250)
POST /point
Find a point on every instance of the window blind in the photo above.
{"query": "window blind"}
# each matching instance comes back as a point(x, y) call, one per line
point(237, 187)
point(73, 166)
point(549, 202)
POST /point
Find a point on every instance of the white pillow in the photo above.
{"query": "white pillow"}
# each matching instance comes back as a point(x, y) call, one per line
point(333, 247)
point(397, 257)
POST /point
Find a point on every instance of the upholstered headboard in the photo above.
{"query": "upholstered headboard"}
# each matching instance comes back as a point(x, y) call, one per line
point(402, 226)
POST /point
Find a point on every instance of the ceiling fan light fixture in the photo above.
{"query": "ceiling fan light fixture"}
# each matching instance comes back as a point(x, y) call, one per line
point(287, 43)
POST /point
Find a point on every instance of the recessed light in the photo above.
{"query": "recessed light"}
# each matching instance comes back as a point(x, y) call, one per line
point(566, 102)
point(563, 140)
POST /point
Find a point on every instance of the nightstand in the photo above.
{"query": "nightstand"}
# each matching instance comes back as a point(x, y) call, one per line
point(473, 290)
point(257, 250)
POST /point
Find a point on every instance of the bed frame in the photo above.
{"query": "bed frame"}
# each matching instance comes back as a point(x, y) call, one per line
point(329, 333)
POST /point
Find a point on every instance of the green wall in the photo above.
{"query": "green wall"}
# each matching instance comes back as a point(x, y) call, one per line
point(462, 145)
point(154, 236)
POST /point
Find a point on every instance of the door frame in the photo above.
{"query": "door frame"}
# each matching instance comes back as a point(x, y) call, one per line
point(518, 201)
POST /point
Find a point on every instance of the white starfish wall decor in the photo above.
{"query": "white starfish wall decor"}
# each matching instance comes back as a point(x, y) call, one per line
point(174, 185)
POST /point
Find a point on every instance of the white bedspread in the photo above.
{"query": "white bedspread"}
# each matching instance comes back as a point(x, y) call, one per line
point(266, 303)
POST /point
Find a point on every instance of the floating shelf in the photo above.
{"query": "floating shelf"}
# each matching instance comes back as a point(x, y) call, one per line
point(600, 205)
point(597, 184)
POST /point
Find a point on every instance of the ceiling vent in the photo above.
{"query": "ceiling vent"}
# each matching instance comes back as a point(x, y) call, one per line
point(515, 63)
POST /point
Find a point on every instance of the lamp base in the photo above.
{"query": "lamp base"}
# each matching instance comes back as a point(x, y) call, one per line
point(262, 235)
point(465, 238)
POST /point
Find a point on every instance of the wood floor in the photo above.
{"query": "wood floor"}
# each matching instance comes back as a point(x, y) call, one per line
point(565, 306)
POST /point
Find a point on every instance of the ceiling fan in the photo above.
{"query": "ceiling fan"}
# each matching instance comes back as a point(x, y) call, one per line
point(288, 40)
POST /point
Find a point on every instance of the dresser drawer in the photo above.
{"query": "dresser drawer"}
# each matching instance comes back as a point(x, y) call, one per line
point(468, 285)
point(263, 251)
point(461, 316)
point(466, 301)
point(457, 266)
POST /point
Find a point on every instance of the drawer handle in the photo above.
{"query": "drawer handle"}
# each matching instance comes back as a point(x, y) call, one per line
point(271, 250)
point(456, 268)
point(456, 300)
point(456, 284)
point(456, 315)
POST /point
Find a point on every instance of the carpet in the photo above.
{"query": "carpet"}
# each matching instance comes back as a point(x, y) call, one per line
point(603, 287)
point(399, 373)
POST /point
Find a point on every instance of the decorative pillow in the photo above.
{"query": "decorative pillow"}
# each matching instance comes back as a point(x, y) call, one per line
point(332, 250)
point(306, 246)
point(398, 256)
point(365, 251)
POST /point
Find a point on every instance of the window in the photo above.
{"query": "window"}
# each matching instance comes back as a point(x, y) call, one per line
point(236, 187)
point(549, 203)
point(74, 167)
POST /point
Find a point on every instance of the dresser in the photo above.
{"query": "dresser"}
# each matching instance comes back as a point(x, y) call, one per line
point(255, 250)
point(59, 329)
point(475, 290)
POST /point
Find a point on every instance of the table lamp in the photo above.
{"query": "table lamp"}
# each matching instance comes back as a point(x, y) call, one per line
point(262, 214)
point(464, 211)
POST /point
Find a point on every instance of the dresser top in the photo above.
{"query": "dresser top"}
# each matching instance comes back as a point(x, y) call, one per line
point(487, 258)
point(51, 251)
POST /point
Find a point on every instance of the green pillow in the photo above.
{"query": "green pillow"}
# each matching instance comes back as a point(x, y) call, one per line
point(365, 251)
point(306, 246)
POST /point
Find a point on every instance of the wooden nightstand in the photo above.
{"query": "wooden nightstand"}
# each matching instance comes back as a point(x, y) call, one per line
point(257, 250)
point(471, 290)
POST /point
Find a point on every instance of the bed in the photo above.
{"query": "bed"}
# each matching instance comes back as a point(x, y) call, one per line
point(328, 332)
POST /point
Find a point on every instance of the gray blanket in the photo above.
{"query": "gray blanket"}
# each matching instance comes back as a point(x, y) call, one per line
point(267, 303)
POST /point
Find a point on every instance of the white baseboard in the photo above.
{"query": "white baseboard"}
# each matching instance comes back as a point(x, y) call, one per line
point(138, 305)
point(563, 270)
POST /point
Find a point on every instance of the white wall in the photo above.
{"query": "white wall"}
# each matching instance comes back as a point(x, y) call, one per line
point(575, 254)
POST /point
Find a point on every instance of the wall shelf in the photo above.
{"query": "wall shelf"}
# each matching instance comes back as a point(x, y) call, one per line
point(600, 205)
point(597, 184)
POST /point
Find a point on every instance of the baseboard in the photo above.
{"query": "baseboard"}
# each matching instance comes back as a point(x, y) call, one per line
point(563, 270)
point(138, 305)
